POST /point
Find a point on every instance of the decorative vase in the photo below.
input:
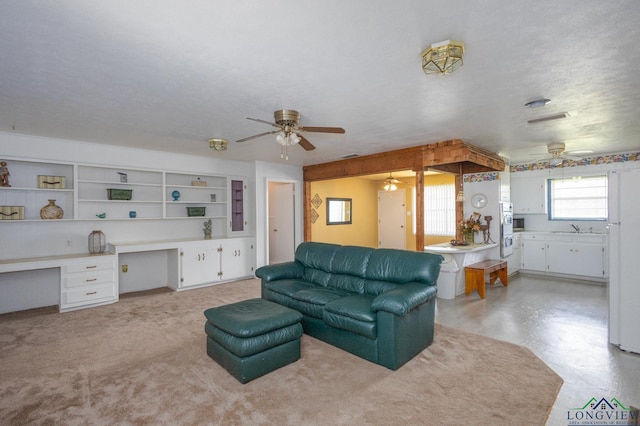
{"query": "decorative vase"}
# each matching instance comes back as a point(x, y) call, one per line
point(469, 237)
point(51, 211)
point(97, 242)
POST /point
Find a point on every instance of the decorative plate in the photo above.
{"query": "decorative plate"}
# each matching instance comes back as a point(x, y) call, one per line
point(479, 200)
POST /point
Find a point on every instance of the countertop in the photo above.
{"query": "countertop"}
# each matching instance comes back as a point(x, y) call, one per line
point(448, 248)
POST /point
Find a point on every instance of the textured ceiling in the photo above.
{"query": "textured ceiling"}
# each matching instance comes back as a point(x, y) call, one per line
point(169, 74)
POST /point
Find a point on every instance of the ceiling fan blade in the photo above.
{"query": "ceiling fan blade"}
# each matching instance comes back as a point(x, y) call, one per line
point(304, 142)
point(257, 136)
point(323, 129)
point(571, 157)
point(264, 121)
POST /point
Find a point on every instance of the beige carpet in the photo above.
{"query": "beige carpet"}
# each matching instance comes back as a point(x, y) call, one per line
point(143, 361)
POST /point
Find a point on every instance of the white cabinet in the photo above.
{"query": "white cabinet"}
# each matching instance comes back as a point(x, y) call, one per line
point(88, 282)
point(528, 195)
point(31, 193)
point(533, 252)
point(514, 261)
point(237, 258)
point(579, 255)
point(114, 193)
point(199, 264)
point(576, 255)
point(214, 261)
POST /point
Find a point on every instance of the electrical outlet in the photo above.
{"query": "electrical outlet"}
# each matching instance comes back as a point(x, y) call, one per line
point(125, 268)
point(68, 243)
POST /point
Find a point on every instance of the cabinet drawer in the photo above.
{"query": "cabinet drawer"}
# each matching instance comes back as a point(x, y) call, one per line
point(97, 265)
point(89, 294)
point(90, 278)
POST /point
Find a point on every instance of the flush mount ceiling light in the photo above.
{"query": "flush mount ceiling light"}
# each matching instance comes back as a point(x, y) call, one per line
point(442, 58)
point(549, 118)
point(218, 144)
point(537, 103)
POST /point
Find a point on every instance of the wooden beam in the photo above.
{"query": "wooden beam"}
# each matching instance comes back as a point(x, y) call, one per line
point(402, 159)
point(445, 156)
point(306, 196)
point(419, 210)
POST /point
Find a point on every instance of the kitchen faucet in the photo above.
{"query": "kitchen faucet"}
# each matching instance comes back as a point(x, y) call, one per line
point(576, 227)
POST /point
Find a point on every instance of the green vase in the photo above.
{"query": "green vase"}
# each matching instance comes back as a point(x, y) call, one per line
point(469, 236)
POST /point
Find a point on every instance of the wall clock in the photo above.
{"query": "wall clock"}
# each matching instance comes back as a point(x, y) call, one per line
point(479, 200)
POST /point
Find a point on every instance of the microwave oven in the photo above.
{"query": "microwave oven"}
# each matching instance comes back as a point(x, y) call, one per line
point(518, 223)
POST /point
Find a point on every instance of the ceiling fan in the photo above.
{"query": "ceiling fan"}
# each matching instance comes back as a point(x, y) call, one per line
point(287, 122)
point(390, 183)
point(557, 153)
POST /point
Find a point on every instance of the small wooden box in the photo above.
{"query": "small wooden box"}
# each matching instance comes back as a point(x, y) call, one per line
point(52, 182)
point(11, 212)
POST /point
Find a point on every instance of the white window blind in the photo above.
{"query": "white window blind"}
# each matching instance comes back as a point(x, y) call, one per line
point(439, 210)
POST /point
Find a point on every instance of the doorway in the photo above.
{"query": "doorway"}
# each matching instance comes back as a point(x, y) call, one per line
point(392, 213)
point(281, 213)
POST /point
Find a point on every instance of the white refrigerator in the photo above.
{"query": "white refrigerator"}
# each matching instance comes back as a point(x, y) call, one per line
point(624, 255)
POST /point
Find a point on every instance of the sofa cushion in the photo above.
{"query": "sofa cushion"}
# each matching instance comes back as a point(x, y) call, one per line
point(376, 287)
point(251, 317)
point(346, 282)
point(356, 306)
point(312, 301)
point(352, 313)
point(316, 255)
point(351, 260)
point(287, 287)
point(403, 266)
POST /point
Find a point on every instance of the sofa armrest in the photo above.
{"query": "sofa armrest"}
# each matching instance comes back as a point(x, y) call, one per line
point(402, 299)
point(280, 271)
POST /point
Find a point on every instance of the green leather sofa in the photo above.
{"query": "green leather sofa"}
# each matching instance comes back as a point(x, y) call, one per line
point(378, 304)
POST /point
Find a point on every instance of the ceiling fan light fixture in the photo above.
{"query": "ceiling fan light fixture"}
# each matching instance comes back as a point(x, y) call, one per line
point(537, 103)
point(218, 144)
point(555, 161)
point(390, 183)
point(442, 58)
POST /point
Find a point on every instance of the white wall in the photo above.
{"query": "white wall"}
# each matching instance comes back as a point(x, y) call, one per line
point(266, 172)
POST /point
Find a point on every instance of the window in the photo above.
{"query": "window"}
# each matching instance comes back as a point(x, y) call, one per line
point(578, 198)
point(439, 210)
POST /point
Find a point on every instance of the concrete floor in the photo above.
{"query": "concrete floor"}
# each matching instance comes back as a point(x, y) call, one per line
point(564, 322)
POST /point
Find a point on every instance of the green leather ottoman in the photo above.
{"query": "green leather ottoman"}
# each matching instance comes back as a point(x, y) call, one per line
point(253, 337)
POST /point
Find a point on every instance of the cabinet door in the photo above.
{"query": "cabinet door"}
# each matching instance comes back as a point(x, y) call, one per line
point(237, 206)
point(514, 261)
point(561, 257)
point(528, 195)
point(238, 258)
point(534, 254)
point(589, 259)
point(199, 265)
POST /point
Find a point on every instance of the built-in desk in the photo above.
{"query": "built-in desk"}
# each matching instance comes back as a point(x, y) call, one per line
point(71, 281)
point(457, 257)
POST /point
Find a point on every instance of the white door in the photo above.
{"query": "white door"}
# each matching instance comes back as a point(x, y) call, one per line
point(629, 284)
point(392, 219)
point(281, 222)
